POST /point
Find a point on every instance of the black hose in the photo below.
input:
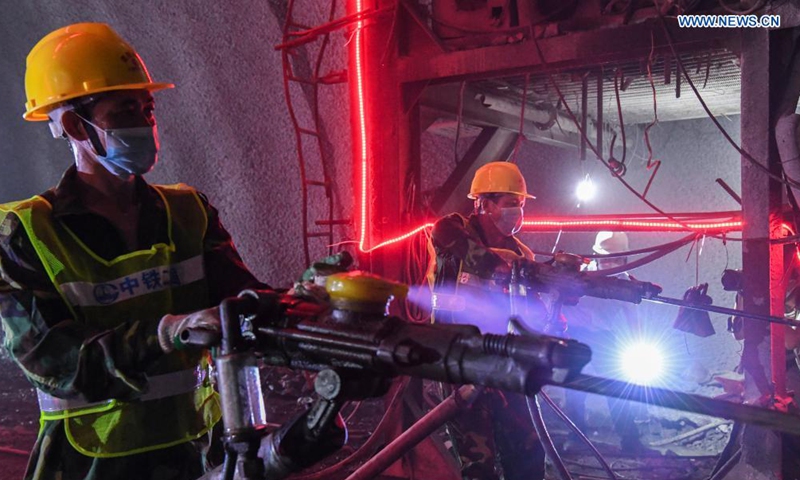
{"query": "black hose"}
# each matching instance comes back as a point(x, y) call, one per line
point(544, 437)
point(733, 445)
point(564, 418)
point(229, 465)
point(728, 466)
point(636, 263)
point(681, 241)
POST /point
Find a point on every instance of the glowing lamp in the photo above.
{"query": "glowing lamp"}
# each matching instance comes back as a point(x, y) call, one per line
point(642, 363)
point(586, 189)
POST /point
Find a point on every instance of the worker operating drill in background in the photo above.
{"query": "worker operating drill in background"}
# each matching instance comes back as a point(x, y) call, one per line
point(604, 325)
point(470, 274)
point(96, 272)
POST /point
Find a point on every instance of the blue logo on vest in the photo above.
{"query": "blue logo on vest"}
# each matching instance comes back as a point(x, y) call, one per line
point(106, 293)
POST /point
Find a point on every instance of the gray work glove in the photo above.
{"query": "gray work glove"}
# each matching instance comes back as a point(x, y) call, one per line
point(171, 326)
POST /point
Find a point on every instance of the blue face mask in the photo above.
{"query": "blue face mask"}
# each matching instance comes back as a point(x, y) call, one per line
point(129, 151)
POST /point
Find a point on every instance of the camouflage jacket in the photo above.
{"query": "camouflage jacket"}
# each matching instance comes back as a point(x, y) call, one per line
point(66, 358)
point(457, 239)
point(460, 247)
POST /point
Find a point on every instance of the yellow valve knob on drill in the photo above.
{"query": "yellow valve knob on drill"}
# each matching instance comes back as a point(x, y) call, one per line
point(363, 292)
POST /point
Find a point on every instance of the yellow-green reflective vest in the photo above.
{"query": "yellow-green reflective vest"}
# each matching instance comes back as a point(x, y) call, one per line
point(180, 404)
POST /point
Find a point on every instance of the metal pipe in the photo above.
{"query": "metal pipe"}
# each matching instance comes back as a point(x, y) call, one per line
point(687, 402)
point(425, 426)
point(722, 310)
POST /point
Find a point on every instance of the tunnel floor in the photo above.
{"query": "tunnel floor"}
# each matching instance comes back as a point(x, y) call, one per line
point(691, 458)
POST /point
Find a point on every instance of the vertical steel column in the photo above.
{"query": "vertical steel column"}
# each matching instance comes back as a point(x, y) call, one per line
point(381, 135)
point(762, 263)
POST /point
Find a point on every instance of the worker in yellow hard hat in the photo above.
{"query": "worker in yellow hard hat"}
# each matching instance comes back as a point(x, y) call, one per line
point(99, 274)
point(472, 260)
point(473, 255)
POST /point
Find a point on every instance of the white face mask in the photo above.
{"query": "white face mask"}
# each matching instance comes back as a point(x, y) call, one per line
point(129, 151)
point(509, 221)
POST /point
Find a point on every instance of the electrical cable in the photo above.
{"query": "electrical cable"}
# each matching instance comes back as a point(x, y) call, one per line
point(571, 425)
point(680, 242)
point(783, 178)
point(591, 146)
point(416, 274)
point(787, 181)
point(521, 135)
point(544, 436)
point(352, 414)
point(600, 157)
point(634, 264)
point(651, 165)
point(306, 36)
point(617, 76)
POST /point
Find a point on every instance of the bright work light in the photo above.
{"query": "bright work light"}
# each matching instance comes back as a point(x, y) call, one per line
point(586, 189)
point(642, 363)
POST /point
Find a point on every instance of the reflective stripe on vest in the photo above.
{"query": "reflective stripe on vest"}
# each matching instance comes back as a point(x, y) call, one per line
point(159, 386)
point(150, 280)
point(140, 286)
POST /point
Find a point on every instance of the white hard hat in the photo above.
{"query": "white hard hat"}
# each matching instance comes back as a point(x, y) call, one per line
point(610, 242)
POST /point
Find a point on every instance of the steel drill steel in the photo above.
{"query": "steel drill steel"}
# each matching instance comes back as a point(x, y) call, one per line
point(722, 310)
point(688, 402)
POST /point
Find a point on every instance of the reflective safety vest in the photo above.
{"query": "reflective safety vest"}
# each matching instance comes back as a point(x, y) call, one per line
point(471, 299)
point(179, 404)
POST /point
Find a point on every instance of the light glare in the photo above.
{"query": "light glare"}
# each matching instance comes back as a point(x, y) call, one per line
point(642, 363)
point(586, 189)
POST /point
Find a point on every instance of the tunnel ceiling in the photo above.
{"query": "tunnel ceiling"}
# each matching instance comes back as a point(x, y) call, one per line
point(714, 72)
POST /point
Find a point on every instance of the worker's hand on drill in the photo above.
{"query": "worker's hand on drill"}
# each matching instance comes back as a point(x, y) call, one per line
point(310, 291)
point(171, 326)
point(311, 285)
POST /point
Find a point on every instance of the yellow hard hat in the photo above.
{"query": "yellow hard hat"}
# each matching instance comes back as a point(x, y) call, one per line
point(498, 177)
point(79, 60)
point(361, 290)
